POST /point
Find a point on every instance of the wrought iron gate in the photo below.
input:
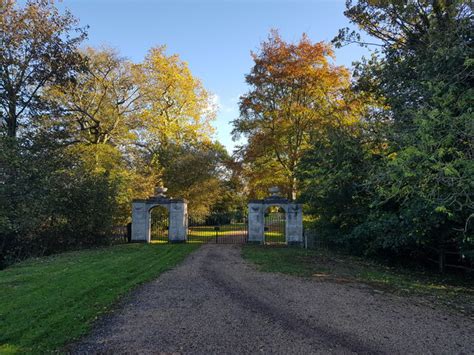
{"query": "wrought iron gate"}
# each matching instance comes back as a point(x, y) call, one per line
point(159, 225)
point(275, 226)
point(219, 228)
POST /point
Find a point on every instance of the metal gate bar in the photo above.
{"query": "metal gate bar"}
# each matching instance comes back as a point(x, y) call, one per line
point(219, 228)
point(275, 226)
point(159, 225)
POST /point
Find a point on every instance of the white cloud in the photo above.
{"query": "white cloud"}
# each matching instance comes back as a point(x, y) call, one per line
point(215, 100)
point(222, 107)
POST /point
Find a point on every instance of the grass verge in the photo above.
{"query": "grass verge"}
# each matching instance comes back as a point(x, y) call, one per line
point(48, 302)
point(454, 291)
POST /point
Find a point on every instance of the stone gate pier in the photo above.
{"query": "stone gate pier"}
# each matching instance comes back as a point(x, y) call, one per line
point(177, 212)
point(293, 218)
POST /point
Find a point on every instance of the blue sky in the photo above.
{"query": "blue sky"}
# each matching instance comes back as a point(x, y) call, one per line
point(214, 37)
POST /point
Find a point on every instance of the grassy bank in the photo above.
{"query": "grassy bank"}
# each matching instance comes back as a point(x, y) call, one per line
point(46, 303)
point(453, 291)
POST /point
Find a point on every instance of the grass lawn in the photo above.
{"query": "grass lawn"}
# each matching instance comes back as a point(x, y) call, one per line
point(454, 291)
point(48, 302)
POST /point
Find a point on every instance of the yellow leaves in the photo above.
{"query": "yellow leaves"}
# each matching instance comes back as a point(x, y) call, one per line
point(177, 106)
point(116, 101)
point(99, 158)
point(392, 156)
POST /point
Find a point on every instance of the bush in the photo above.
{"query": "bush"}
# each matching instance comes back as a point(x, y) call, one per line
point(49, 202)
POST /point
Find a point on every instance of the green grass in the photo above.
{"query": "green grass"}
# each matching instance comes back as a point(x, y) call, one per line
point(48, 302)
point(454, 291)
point(287, 260)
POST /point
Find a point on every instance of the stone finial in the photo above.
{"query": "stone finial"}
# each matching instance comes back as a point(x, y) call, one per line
point(274, 190)
point(160, 191)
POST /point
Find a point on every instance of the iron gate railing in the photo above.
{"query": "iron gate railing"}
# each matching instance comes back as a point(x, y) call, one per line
point(219, 228)
point(159, 225)
point(275, 227)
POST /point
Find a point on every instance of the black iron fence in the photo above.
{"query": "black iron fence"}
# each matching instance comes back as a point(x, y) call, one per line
point(449, 256)
point(219, 228)
point(444, 257)
point(314, 240)
point(121, 234)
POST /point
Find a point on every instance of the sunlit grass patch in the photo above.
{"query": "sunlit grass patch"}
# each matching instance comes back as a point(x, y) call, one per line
point(48, 302)
point(158, 241)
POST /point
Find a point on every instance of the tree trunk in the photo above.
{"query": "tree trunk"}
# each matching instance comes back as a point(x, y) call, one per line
point(441, 260)
point(11, 120)
point(11, 132)
point(292, 188)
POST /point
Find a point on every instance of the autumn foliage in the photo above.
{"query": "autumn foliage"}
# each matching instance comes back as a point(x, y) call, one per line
point(296, 91)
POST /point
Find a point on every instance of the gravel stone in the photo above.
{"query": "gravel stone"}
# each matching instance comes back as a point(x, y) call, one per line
point(216, 303)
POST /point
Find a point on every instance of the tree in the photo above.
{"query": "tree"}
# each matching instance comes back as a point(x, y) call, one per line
point(422, 192)
point(49, 201)
point(197, 173)
point(99, 113)
point(294, 90)
point(100, 105)
point(333, 174)
point(405, 60)
point(175, 132)
point(138, 123)
point(37, 48)
point(177, 108)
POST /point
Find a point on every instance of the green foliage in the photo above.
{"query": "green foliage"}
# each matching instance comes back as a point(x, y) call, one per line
point(195, 172)
point(48, 302)
point(49, 202)
point(332, 174)
point(427, 174)
point(405, 184)
point(38, 47)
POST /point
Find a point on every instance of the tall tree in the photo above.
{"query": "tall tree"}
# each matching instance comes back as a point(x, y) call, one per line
point(38, 46)
point(295, 88)
point(195, 172)
point(177, 107)
point(423, 189)
point(100, 105)
point(175, 126)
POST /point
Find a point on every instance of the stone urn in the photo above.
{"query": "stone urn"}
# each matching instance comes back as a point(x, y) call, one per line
point(160, 191)
point(274, 190)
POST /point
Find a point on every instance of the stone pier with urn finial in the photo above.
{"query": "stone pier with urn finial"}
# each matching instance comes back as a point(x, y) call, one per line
point(141, 217)
point(293, 218)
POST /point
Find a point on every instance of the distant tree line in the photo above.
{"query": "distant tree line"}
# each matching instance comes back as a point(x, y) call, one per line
point(383, 158)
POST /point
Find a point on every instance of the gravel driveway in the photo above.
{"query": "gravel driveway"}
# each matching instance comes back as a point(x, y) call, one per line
point(217, 303)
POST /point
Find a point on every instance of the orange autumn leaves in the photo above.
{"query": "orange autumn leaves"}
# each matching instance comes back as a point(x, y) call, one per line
point(296, 91)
